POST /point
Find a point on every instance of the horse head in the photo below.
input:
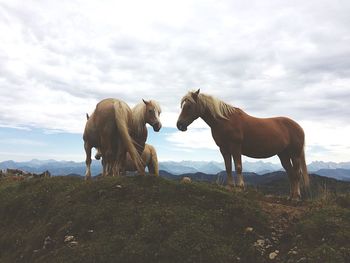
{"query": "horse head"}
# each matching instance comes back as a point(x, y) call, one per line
point(152, 114)
point(190, 110)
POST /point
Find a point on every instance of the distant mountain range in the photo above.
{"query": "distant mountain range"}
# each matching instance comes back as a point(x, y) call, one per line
point(339, 171)
point(212, 167)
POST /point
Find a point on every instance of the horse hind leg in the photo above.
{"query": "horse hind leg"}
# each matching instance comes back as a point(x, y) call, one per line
point(294, 183)
point(297, 175)
point(88, 148)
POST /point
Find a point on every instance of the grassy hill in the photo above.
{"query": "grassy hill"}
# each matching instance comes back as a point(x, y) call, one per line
point(147, 219)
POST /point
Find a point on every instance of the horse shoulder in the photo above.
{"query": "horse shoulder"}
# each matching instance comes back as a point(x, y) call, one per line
point(227, 132)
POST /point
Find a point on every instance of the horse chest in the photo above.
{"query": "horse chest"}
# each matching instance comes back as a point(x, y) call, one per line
point(224, 137)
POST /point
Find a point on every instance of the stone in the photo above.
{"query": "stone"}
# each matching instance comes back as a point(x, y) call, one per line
point(68, 239)
point(249, 229)
point(73, 243)
point(260, 243)
point(273, 255)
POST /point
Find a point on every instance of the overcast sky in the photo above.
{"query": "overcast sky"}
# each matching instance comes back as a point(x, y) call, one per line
point(270, 58)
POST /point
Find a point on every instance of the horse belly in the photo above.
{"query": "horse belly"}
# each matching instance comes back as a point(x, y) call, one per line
point(263, 147)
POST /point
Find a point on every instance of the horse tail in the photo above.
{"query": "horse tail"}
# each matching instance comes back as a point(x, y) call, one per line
point(121, 122)
point(304, 173)
point(153, 165)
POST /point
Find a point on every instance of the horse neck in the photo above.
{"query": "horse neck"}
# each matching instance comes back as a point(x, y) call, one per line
point(213, 121)
point(138, 124)
point(208, 117)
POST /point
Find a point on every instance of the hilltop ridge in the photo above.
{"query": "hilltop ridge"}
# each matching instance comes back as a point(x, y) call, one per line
point(148, 219)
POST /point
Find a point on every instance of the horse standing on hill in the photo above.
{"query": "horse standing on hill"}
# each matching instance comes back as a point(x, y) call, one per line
point(114, 129)
point(236, 133)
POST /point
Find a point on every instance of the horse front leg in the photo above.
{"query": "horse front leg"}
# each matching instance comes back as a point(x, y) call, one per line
point(237, 158)
point(228, 165)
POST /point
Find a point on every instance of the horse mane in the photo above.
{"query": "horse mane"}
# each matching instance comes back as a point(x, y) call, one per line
point(217, 108)
point(138, 116)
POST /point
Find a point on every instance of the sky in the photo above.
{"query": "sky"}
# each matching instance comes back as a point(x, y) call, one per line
point(269, 58)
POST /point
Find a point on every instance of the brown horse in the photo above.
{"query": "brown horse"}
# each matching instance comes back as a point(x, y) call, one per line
point(237, 133)
point(149, 159)
point(111, 135)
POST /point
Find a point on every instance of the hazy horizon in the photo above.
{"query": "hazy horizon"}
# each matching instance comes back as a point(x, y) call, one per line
point(250, 160)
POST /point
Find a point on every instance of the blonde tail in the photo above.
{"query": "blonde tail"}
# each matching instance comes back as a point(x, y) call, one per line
point(153, 165)
point(120, 118)
point(304, 170)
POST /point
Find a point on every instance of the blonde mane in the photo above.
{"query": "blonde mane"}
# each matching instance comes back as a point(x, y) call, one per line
point(138, 116)
point(216, 107)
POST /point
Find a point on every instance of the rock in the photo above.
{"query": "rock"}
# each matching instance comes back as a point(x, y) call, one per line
point(186, 180)
point(259, 243)
point(68, 239)
point(73, 243)
point(273, 255)
point(248, 229)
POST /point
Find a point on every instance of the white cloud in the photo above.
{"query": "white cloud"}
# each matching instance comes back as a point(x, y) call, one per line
point(57, 59)
point(193, 138)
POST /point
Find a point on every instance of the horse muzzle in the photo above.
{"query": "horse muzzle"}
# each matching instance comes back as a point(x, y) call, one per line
point(157, 126)
point(181, 126)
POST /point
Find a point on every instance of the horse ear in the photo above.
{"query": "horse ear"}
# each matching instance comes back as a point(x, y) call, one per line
point(145, 101)
point(195, 95)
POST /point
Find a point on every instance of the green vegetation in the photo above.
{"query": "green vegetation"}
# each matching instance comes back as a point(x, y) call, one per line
point(130, 219)
point(148, 219)
point(323, 235)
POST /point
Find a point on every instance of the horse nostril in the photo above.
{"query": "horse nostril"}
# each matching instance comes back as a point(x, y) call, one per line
point(179, 125)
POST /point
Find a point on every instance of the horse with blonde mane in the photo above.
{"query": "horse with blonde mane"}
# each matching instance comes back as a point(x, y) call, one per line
point(114, 129)
point(143, 113)
point(149, 160)
point(236, 133)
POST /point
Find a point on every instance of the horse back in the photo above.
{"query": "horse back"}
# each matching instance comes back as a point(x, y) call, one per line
point(269, 136)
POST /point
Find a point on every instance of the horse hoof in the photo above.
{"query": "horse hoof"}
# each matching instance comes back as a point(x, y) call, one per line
point(294, 199)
